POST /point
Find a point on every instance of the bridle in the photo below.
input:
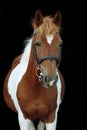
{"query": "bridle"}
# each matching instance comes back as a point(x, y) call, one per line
point(39, 73)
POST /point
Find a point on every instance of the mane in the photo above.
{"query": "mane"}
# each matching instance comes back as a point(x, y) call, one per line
point(26, 51)
point(47, 27)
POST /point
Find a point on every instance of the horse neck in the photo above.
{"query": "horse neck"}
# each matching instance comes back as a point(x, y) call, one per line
point(31, 70)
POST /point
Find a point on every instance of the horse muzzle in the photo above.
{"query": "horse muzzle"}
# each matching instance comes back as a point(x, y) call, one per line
point(50, 81)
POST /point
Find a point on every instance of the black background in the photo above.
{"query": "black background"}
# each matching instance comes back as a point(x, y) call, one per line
point(15, 27)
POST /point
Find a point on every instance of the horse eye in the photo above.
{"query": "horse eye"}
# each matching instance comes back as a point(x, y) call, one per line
point(60, 45)
point(38, 44)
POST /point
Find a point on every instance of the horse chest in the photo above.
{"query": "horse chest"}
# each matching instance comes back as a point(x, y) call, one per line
point(37, 104)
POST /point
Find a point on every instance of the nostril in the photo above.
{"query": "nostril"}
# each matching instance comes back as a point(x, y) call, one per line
point(46, 78)
point(50, 80)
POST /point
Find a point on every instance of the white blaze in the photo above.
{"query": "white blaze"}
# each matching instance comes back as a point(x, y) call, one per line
point(49, 39)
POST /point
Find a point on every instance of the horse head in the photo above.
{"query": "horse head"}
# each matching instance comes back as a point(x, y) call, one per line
point(47, 46)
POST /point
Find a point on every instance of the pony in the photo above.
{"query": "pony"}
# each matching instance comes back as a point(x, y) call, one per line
point(34, 87)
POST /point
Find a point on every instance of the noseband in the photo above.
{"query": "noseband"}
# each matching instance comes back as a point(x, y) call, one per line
point(39, 61)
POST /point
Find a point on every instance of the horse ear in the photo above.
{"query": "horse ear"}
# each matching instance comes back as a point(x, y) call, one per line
point(57, 18)
point(38, 18)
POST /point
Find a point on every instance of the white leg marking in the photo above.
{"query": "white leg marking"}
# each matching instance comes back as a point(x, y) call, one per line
point(40, 126)
point(24, 124)
point(52, 126)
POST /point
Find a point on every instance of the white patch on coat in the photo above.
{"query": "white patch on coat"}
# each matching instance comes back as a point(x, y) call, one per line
point(25, 124)
point(49, 39)
point(59, 90)
point(52, 126)
point(18, 72)
point(14, 79)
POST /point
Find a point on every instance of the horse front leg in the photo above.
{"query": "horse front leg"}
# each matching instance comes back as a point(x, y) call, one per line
point(25, 124)
point(52, 126)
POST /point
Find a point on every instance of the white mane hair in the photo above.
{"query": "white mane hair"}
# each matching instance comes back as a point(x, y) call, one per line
point(26, 51)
